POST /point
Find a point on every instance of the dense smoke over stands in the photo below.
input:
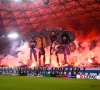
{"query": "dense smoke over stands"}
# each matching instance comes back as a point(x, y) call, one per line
point(85, 30)
point(86, 53)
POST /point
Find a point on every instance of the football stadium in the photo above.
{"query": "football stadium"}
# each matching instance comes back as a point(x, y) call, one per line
point(49, 44)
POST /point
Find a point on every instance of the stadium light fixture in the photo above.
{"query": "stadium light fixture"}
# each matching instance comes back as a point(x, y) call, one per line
point(18, 1)
point(46, 2)
point(13, 35)
point(30, 1)
point(3, 36)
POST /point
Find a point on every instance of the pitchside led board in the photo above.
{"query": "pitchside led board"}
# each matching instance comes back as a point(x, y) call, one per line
point(91, 76)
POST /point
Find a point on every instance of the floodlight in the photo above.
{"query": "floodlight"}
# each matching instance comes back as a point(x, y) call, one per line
point(13, 35)
point(18, 1)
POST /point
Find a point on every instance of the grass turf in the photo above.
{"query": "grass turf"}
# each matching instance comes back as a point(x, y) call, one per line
point(42, 83)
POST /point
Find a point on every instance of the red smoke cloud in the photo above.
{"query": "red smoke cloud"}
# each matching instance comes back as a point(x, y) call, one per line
point(85, 30)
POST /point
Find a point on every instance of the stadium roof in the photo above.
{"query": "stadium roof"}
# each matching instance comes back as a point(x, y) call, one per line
point(33, 15)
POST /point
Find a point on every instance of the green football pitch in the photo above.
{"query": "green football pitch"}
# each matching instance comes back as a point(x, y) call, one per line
point(46, 83)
